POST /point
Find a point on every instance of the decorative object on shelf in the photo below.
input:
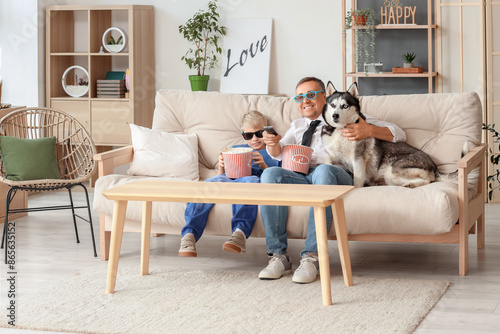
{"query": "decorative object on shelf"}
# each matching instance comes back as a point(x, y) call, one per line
point(127, 83)
point(110, 43)
point(113, 87)
point(408, 58)
point(75, 85)
point(493, 179)
point(203, 31)
point(363, 20)
point(374, 67)
point(391, 14)
point(408, 70)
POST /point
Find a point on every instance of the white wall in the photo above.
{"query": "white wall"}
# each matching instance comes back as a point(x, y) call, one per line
point(19, 61)
point(306, 38)
point(306, 41)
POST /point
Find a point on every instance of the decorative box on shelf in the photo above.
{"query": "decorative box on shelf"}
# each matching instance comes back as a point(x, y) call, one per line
point(418, 69)
point(373, 67)
point(111, 88)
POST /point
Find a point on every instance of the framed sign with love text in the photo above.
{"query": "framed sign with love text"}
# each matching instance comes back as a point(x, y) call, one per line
point(246, 56)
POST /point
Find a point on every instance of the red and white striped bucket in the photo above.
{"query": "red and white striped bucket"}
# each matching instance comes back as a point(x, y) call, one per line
point(237, 162)
point(296, 158)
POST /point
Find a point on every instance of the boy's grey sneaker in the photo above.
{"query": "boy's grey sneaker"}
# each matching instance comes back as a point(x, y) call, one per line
point(188, 247)
point(307, 271)
point(236, 244)
point(278, 266)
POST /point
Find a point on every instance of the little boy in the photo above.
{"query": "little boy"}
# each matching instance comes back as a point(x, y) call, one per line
point(244, 216)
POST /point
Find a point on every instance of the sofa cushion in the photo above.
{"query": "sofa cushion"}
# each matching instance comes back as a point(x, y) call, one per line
point(431, 209)
point(163, 154)
point(162, 212)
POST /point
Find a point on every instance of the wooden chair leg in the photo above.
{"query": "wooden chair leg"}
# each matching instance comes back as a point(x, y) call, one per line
point(105, 238)
point(463, 261)
point(480, 231)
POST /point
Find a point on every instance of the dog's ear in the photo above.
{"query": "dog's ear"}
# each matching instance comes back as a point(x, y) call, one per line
point(330, 89)
point(353, 90)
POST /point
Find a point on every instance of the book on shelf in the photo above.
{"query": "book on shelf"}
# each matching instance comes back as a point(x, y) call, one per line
point(115, 75)
point(111, 88)
point(111, 96)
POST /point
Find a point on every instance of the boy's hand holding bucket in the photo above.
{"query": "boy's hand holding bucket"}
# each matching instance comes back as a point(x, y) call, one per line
point(237, 162)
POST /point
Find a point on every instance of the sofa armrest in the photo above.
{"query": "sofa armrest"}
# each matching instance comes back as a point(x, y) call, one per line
point(471, 162)
point(107, 161)
point(472, 159)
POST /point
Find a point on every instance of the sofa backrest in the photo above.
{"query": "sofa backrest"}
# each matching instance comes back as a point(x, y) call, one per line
point(439, 124)
point(216, 119)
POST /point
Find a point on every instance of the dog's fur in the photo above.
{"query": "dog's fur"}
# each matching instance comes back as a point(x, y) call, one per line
point(372, 161)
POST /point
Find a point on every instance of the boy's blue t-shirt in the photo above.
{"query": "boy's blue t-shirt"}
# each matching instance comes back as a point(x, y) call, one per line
point(270, 162)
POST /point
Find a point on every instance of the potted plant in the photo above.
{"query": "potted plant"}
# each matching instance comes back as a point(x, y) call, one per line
point(408, 58)
point(203, 32)
point(363, 21)
point(493, 179)
point(115, 45)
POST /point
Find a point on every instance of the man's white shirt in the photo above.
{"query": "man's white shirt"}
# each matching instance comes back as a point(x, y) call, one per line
point(294, 136)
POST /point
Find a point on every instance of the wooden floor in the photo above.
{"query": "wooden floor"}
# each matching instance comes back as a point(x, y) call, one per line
point(47, 252)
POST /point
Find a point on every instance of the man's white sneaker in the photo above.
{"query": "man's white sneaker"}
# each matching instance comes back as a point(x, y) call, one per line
point(236, 244)
point(278, 266)
point(307, 271)
point(188, 247)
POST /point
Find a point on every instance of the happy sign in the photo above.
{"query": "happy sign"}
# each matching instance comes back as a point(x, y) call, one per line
point(393, 10)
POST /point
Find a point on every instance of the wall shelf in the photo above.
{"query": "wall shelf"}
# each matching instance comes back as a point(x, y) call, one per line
point(390, 74)
point(74, 37)
point(350, 71)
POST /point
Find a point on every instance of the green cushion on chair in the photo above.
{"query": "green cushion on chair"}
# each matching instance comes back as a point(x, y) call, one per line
point(29, 159)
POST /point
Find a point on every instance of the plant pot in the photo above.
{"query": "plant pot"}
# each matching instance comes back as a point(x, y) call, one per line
point(408, 65)
point(114, 48)
point(199, 82)
point(358, 19)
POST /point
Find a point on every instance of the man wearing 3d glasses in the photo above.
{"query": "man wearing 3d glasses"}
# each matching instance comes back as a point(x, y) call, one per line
point(311, 99)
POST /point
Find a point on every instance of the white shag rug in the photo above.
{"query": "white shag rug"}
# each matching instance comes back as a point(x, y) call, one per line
point(172, 300)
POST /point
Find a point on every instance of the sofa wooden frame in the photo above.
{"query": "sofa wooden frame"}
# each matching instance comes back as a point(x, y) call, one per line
point(471, 215)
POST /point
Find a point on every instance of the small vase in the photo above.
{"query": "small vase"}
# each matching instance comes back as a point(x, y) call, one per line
point(408, 65)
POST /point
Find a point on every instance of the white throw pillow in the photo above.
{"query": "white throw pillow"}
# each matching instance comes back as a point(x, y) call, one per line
point(164, 154)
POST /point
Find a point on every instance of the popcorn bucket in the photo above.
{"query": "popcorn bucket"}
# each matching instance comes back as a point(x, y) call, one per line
point(296, 158)
point(237, 162)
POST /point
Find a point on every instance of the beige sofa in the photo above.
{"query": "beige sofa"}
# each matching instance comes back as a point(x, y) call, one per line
point(439, 124)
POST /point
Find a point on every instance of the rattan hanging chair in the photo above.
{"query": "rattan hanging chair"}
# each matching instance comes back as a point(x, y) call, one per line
point(75, 158)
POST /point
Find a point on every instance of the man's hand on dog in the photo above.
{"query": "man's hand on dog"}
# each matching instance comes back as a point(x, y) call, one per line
point(357, 131)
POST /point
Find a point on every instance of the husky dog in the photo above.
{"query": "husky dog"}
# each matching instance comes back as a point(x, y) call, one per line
point(372, 161)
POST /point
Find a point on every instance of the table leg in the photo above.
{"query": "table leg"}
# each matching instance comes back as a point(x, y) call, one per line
point(119, 210)
point(323, 257)
point(342, 240)
point(146, 237)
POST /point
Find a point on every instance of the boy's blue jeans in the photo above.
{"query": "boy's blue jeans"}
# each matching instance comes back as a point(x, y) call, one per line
point(275, 217)
point(244, 216)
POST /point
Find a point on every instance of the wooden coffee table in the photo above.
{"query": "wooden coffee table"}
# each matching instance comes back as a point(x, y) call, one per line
point(317, 196)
